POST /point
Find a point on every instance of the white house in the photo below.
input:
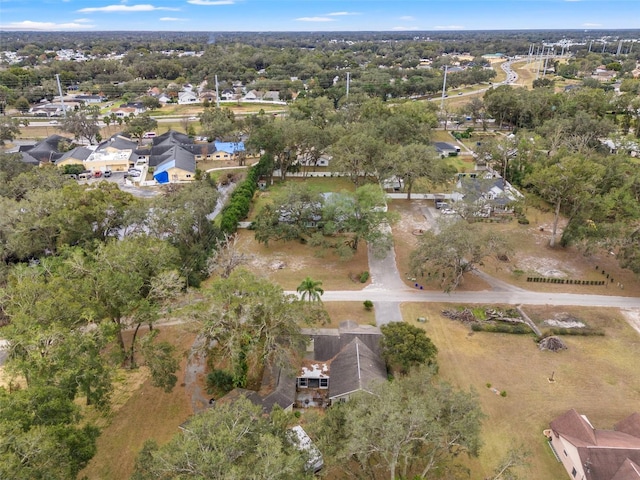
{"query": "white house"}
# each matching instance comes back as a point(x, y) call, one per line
point(185, 98)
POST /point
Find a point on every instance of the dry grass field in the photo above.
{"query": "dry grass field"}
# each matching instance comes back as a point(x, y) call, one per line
point(531, 255)
point(288, 263)
point(598, 376)
point(140, 412)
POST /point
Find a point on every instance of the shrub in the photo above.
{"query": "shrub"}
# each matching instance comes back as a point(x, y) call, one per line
point(368, 305)
point(220, 380)
point(488, 385)
point(523, 220)
point(503, 393)
point(364, 276)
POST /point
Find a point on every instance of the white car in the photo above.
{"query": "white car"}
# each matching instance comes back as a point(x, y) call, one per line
point(53, 122)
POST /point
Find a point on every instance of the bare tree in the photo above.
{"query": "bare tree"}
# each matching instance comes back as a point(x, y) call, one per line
point(226, 257)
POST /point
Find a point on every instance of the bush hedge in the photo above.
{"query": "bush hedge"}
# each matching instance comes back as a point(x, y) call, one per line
point(518, 328)
point(240, 201)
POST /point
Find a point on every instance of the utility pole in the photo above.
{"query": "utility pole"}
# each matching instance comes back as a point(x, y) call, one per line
point(590, 44)
point(604, 45)
point(64, 110)
point(348, 82)
point(217, 93)
point(539, 61)
point(444, 89)
point(619, 48)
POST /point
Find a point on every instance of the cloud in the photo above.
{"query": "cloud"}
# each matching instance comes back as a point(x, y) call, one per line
point(592, 25)
point(314, 19)
point(401, 29)
point(30, 25)
point(125, 8)
point(172, 19)
point(408, 18)
point(341, 14)
point(211, 2)
point(448, 27)
point(82, 20)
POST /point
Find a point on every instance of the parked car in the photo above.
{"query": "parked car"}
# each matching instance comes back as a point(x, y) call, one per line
point(85, 176)
point(97, 174)
point(133, 173)
point(53, 122)
point(107, 173)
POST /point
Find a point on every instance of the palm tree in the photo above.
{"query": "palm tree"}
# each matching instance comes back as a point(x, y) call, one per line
point(310, 289)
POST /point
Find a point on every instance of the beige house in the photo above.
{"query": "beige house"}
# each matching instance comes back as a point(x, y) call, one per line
point(591, 454)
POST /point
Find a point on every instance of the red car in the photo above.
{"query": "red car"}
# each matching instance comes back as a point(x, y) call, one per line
point(97, 174)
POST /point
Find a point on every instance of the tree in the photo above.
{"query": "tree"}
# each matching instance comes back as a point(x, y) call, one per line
point(250, 323)
point(295, 214)
point(567, 182)
point(226, 256)
point(310, 289)
point(152, 103)
point(415, 161)
point(361, 215)
point(514, 460)
point(408, 428)
point(459, 246)
point(40, 436)
point(234, 441)
point(83, 123)
point(405, 346)
point(218, 123)
point(139, 125)
point(22, 105)
point(9, 129)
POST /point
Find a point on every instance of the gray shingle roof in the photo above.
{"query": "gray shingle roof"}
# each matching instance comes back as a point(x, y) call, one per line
point(355, 368)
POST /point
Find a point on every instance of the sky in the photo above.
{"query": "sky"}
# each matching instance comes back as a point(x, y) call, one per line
point(317, 15)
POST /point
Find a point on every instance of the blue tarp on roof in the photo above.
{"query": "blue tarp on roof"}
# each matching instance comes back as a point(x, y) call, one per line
point(162, 177)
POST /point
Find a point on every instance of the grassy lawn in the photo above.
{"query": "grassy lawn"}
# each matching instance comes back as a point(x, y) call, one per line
point(598, 376)
point(288, 263)
point(531, 255)
point(141, 412)
point(315, 184)
point(341, 311)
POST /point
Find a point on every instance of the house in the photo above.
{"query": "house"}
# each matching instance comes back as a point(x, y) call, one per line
point(45, 151)
point(252, 95)
point(164, 98)
point(178, 165)
point(76, 156)
point(228, 94)
point(50, 109)
point(339, 363)
point(154, 92)
point(208, 95)
point(92, 99)
point(228, 150)
point(123, 112)
point(185, 98)
point(445, 149)
point(117, 153)
point(485, 195)
point(591, 454)
point(271, 96)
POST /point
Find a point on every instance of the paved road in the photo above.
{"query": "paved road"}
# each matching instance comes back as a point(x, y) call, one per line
point(485, 296)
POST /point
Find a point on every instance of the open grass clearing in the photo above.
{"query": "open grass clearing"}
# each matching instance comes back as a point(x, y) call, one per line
point(531, 255)
point(288, 263)
point(355, 311)
point(598, 376)
point(141, 412)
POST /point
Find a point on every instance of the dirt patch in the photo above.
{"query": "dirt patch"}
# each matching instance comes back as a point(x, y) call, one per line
point(632, 316)
point(288, 263)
